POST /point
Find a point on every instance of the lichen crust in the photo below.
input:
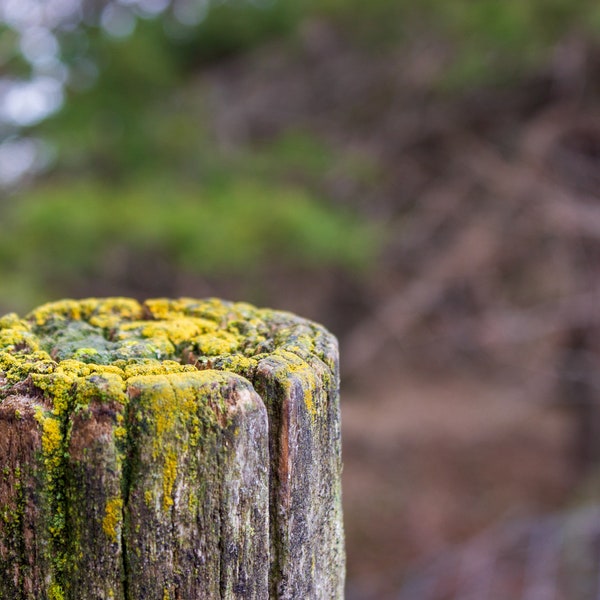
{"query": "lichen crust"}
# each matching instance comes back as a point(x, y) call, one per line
point(74, 351)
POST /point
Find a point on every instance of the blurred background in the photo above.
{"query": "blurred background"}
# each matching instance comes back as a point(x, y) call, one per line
point(423, 178)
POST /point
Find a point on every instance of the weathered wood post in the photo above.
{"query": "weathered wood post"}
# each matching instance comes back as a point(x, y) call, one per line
point(170, 450)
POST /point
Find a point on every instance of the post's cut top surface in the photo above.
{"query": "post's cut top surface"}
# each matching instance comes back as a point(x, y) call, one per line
point(94, 346)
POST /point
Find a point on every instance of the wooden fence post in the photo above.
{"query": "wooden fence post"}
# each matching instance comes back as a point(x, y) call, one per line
point(170, 450)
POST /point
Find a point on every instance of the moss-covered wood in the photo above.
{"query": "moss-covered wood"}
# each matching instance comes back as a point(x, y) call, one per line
point(25, 516)
point(176, 449)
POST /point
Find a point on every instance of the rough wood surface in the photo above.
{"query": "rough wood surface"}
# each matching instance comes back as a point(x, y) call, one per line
point(176, 449)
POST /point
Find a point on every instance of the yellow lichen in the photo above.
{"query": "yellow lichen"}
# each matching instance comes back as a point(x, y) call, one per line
point(214, 344)
point(192, 502)
point(85, 354)
point(169, 476)
point(113, 517)
point(309, 402)
point(109, 313)
point(10, 321)
point(169, 409)
point(295, 368)
point(212, 308)
point(177, 330)
point(65, 309)
point(51, 440)
point(18, 338)
point(156, 368)
point(238, 363)
point(57, 387)
point(92, 309)
point(144, 342)
point(55, 592)
point(101, 384)
point(164, 308)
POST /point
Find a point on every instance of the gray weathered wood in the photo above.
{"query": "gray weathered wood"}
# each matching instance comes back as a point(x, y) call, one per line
point(208, 540)
point(24, 512)
point(173, 449)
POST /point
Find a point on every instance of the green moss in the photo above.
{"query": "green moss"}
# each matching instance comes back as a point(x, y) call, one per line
point(54, 450)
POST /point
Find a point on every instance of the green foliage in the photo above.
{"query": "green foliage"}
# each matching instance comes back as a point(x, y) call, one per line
point(139, 174)
point(10, 59)
point(69, 230)
point(145, 127)
point(495, 40)
point(124, 121)
point(232, 28)
point(110, 128)
point(484, 41)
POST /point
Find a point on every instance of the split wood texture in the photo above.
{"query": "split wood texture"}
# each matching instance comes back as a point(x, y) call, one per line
point(170, 450)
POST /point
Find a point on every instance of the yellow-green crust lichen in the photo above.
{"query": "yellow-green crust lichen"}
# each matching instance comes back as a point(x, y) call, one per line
point(113, 518)
point(74, 351)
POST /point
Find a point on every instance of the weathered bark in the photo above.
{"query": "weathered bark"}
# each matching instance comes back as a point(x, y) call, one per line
point(93, 504)
point(196, 541)
point(24, 536)
point(306, 535)
point(176, 449)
